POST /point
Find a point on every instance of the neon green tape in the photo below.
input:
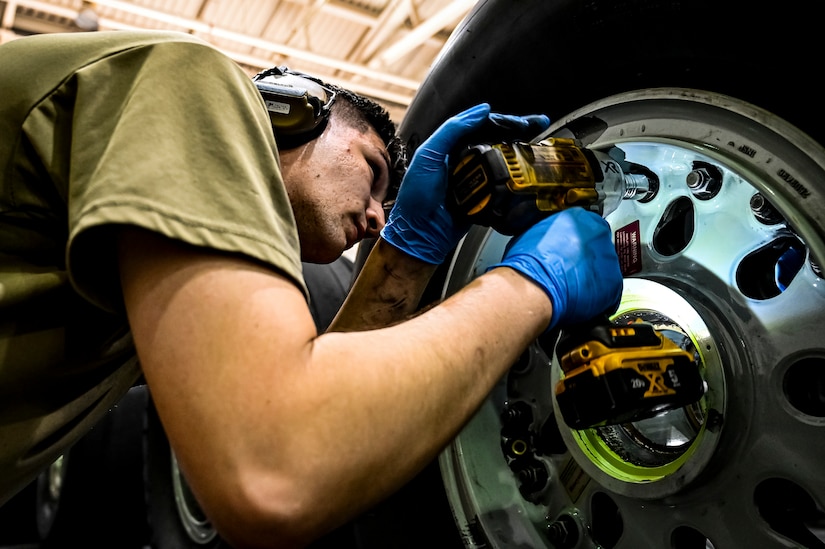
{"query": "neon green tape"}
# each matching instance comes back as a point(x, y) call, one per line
point(612, 464)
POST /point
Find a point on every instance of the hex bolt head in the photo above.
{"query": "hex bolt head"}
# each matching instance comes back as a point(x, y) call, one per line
point(563, 533)
point(704, 181)
point(764, 211)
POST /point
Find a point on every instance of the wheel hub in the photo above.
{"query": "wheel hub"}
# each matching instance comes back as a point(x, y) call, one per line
point(657, 456)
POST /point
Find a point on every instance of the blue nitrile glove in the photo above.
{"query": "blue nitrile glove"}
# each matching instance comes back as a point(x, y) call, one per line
point(572, 257)
point(419, 223)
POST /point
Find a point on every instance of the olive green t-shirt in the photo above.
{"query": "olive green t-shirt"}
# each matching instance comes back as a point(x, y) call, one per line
point(151, 129)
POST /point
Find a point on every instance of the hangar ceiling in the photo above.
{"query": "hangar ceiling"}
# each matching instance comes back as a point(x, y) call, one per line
point(381, 48)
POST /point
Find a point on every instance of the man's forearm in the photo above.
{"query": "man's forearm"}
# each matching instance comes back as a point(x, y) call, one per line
point(388, 289)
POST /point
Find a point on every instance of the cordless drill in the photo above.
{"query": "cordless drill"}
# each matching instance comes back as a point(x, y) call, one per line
point(612, 373)
point(511, 186)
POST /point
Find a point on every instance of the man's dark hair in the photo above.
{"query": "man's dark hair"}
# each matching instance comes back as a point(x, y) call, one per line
point(361, 111)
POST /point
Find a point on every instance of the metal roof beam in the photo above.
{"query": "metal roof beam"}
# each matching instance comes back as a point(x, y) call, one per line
point(209, 30)
point(426, 30)
point(9, 13)
point(389, 21)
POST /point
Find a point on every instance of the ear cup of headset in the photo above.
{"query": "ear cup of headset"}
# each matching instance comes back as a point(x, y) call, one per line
point(298, 106)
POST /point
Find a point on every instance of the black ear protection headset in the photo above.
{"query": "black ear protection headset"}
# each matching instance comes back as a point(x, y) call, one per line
point(298, 104)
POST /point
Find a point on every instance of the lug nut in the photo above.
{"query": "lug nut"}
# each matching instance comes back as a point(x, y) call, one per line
point(696, 178)
point(518, 414)
point(532, 477)
point(764, 211)
point(563, 533)
point(704, 181)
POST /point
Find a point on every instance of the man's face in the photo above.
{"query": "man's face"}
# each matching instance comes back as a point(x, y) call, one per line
point(336, 184)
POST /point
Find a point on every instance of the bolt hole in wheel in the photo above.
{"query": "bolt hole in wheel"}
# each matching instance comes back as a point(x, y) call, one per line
point(804, 386)
point(790, 510)
point(724, 261)
point(675, 229)
point(606, 521)
point(685, 537)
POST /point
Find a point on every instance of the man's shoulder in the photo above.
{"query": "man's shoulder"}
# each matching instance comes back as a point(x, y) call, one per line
point(102, 43)
point(34, 66)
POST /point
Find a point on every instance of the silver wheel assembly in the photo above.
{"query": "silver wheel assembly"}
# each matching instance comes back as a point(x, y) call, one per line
point(726, 260)
point(49, 491)
point(194, 521)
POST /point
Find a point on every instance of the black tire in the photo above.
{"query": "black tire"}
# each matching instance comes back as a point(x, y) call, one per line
point(536, 56)
point(416, 516)
point(30, 515)
point(94, 501)
point(328, 285)
point(101, 502)
point(554, 57)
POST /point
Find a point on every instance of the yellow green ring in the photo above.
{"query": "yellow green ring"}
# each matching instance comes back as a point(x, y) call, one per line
point(601, 455)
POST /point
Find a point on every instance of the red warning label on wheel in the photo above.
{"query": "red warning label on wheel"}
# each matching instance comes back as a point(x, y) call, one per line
point(629, 248)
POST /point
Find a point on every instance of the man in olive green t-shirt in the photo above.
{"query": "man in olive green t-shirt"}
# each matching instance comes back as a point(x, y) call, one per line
point(143, 198)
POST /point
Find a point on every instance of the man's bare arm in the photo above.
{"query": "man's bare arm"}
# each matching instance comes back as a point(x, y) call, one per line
point(387, 290)
point(284, 434)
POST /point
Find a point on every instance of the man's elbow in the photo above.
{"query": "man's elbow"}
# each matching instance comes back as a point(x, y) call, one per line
point(268, 514)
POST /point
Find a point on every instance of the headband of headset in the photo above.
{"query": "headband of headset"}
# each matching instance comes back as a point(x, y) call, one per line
point(298, 104)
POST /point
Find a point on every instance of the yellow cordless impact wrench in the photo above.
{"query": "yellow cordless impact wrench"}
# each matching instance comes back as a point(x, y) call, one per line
point(612, 373)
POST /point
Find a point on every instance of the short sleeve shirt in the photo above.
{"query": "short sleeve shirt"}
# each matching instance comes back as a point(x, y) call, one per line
point(99, 130)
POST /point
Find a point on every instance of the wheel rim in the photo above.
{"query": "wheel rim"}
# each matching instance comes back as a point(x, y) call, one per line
point(49, 490)
point(706, 273)
point(194, 521)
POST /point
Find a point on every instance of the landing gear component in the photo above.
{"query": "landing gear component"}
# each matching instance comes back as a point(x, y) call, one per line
point(729, 267)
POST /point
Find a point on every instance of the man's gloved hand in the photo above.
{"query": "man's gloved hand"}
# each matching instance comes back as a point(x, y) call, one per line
point(572, 257)
point(419, 223)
